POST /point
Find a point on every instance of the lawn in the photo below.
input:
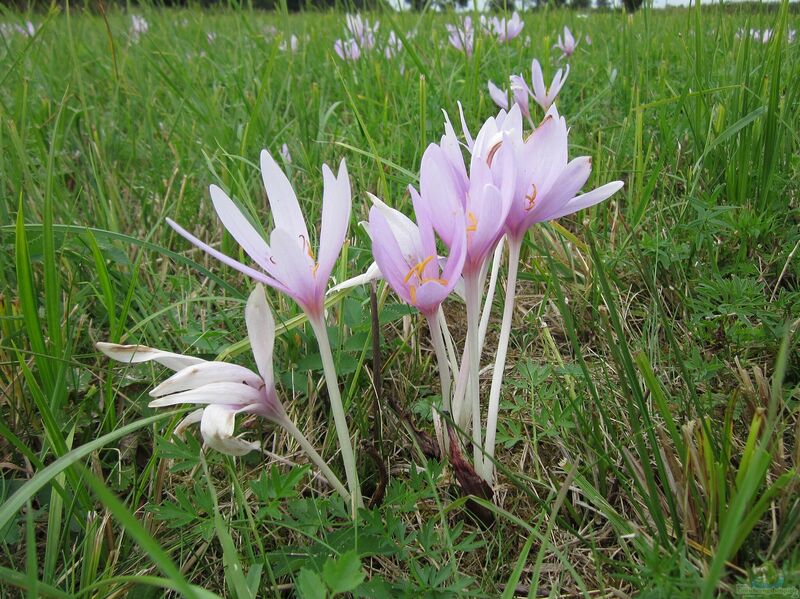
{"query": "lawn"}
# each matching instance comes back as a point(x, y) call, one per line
point(648, 438)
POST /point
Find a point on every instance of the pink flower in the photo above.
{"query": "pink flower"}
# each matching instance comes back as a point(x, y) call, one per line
point(347, 50)
point(462, 36)
point(507, 29)
point(568, 44)
point(362, 31)
point(547, 184)
point(393, 46)
point(288, 263)
point(406, 253)
point(542, 96)
point(520, 91)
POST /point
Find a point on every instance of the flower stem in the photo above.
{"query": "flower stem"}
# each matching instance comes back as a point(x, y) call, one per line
point(487, 305)
point(444, 375)
point(514, 245)
point(345, 444)
point(473, 291)
point(316, 458)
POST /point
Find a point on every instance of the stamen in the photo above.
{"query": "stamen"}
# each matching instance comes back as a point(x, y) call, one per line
point(531, 199)
point(473, 222)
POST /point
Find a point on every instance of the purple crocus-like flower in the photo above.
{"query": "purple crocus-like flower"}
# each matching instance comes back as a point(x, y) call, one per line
point(542, 96)
point(507, 29)
point(406, 253)
point(567, 44)
point(347, 49)
point(520, 91)
point(362, 31)
point(462, 36)
point(288, 263)
point(547, 184)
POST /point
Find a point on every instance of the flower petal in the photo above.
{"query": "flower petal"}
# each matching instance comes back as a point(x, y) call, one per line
point(227, 260)
point(217, 426)
point(497, 95)
point(282, 200)
point(588, 199)
point(135, 354)
point(336, 206)
point(192, 418)
point(232, 394)
point(261, 331)
point(199, 375)
point(372, 273)
point(240, 228)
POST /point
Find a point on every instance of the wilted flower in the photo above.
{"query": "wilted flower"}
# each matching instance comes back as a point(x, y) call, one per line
point(568, 43)
point(225, 389)
point(139, 26)
point(347, 49)
point(462, 36)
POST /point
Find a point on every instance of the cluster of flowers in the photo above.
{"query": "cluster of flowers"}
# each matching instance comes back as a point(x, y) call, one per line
point(9, 29)
point(139, 26)
point(475, 196)
point(764, 35)
point(363, 39)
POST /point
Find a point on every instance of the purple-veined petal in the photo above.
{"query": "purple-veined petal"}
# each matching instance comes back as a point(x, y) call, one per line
point(135, 354)
point(336, 205)
point(261, 332)
point(282, 200)
point(227, 393)
point(198, 375)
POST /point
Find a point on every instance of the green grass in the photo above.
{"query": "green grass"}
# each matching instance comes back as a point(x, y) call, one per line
point(648, 439)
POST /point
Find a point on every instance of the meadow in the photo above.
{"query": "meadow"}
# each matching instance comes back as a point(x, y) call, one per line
point(649, 436)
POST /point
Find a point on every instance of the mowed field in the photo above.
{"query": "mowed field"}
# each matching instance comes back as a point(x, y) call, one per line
point(648, 438)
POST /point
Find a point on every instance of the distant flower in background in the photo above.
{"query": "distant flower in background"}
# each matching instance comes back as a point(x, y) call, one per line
point(347, 49)
point(287, 157)
point(211, 36)
point(518, 89)
point(587, 39)
point(542, 96)
point(269, 31)
point(292, 45)
point(393, 46)
point(567, 43)
point(506, 29)
point(9, 29)
point(462, 36)
point(139, 26)
point(362, 31)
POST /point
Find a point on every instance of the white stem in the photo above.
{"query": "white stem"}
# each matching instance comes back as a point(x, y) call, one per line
point(448, 339)
point(514, 245)
point(487, 305)
point(472, 283)
point(321, 331)
point(316, 458)
point(444, 378)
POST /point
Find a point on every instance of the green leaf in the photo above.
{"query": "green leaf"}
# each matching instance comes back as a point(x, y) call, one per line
point(344, 574)
point(309, 585)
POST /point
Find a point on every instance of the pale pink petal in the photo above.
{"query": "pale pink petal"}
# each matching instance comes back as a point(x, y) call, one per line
point(336, 205)
point(498, 96)
point(295, 266)
point(233, 394)
point(198, 375)
point(237, 225)
point(192, 418)
point(217, 426)
point(235, 264)
point(261, 331)
point(282, 199)
point(135, 354)
point(590, 198)
point(372, 273)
